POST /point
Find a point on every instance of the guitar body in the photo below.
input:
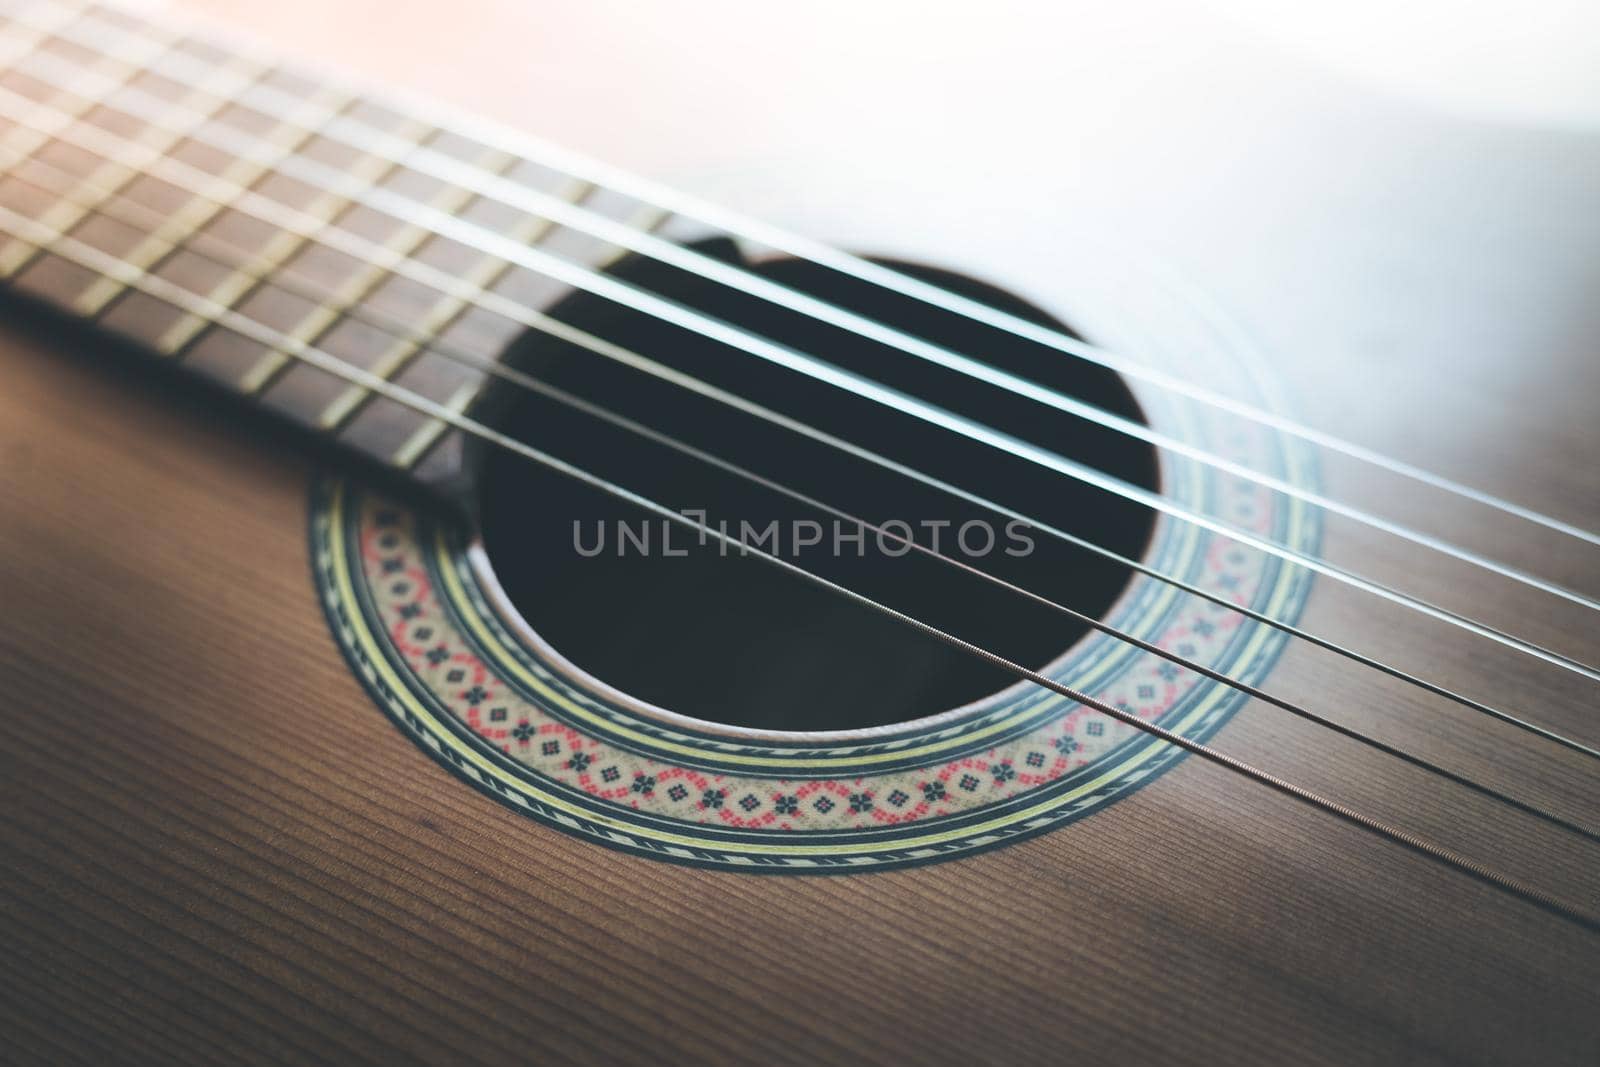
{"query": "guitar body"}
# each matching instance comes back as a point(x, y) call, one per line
point(218, 847)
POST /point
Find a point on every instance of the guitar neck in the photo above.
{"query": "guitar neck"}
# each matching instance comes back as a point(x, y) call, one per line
point(279, 200)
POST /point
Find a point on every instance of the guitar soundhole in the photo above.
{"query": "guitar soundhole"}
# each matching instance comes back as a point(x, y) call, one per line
point(701, 631)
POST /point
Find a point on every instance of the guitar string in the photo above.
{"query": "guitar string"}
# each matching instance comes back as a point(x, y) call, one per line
point(574, 164)
point(426, 160)
point(312, 228)
point(91, 259)
point(649, 303)
point(236, 255)
point(354, 132)
point(605, 286)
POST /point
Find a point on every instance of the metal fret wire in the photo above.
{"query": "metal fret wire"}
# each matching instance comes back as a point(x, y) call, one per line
point(344, 407)
point(259, 377)
point(601, 174)
point(234, 289)
point(9, 263)
point(640, 300)
point(91, 259)
point(435, 164)
point(295, 221)
point(235, 255)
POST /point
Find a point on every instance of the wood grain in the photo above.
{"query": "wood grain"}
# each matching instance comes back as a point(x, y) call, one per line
point(246, 861)
point(215, 849)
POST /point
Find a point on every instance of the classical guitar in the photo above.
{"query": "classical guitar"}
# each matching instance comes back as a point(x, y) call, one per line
point(1054, 589)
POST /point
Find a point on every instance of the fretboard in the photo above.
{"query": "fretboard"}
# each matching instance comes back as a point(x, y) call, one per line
point(226, 213)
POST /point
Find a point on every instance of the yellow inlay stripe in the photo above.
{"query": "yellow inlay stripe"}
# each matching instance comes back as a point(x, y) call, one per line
point(470, 755)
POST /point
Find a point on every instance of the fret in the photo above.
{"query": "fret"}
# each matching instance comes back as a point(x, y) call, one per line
point(145, 319)
point(191, 273)
point(18, 37)
point(380, 143)
point(453, 312)
point(21, 195)
point(454, 318)
point(459, 323)
point(139, 144)
point(362, 288)
point(280, 248)
point(207, 147)
point(488, 331)
point(302, 392)
point(18, 41)
point(596, 252)
point(389, 431)
point(284, 137)
point(52, 278)
point(530, 288)
point(112, 176)
point(478, 271)
point(427, 435)
point(131, 63)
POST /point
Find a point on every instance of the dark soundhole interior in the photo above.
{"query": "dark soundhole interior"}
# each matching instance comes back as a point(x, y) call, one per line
point(734, 640)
